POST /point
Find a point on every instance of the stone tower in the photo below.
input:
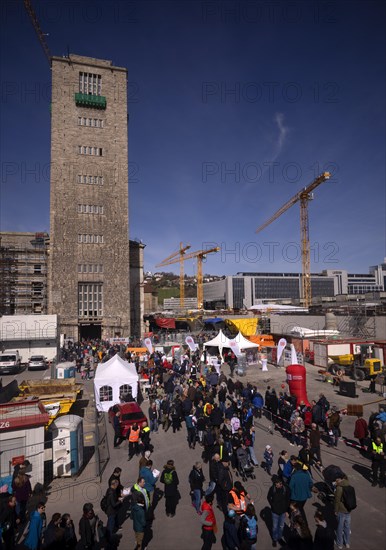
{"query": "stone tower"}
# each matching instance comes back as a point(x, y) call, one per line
point(88, 275)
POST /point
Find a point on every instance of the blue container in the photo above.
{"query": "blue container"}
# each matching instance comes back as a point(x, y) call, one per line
point(65, 370)
point(67, 445)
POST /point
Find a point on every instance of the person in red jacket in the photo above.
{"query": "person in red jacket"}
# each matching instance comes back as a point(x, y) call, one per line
point(361, 430)
point(209, 525)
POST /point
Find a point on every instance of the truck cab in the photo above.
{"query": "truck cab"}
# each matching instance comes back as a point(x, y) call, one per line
point(373, 367)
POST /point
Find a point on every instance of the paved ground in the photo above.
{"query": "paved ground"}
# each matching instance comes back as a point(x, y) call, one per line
point(183, 531)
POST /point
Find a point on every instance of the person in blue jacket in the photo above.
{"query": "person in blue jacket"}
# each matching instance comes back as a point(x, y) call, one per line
point(150, 480)
point(230, 539)
point(300, 486)
point(289, 468)
point(34, 536)
point(258, 404)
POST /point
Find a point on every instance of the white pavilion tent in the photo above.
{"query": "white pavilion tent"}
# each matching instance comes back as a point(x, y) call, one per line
point(113, 379)
point(220, 341)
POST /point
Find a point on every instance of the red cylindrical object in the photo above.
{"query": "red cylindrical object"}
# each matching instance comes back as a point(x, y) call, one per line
point(296, 380)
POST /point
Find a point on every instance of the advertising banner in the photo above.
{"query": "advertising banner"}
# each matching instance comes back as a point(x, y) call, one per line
point(189, 340)
point(280, 348)
point(149, 345)
point(235, 348)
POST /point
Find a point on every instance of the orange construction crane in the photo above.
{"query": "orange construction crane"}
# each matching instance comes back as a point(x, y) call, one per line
point(200, 255)
point(304, 196)
point(41, 35)
point(172, 259)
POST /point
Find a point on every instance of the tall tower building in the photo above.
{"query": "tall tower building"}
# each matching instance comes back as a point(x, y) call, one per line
point(88, 274)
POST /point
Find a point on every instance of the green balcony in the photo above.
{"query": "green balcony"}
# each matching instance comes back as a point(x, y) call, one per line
point(89, 100)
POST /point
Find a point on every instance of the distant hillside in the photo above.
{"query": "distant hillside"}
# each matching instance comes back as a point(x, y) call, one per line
point(168, 285)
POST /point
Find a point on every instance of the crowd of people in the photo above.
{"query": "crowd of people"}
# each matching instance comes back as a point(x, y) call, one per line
point(219, 415)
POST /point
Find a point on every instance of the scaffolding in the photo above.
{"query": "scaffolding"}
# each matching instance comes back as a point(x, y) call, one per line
point(7, 281)
point(23, 272)
point(358, 320)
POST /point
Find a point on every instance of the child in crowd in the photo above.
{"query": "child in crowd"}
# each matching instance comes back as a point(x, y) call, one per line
point(268, 459)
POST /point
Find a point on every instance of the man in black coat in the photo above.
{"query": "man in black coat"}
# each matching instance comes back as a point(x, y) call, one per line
point(117, 430)
point(8, 521)
point(87, 528)
point(214, 464)
point(324, 535)
point(113, 504)
point(224, 485)
point(279, 500)
point(216, 419)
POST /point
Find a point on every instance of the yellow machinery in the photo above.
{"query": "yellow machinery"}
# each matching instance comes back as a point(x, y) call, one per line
point(345, 360)
point(57, 396)
point(200, 255)
point(172, 259)
point(303, 197)
point(351, 366)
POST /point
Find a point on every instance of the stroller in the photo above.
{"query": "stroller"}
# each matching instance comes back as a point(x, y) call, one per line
point(245, 467)
point(326, 489)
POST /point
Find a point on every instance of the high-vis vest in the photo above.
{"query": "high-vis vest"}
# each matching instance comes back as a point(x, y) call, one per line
point(377, 448)
point(209, 518)
point(134, 435)
point(239, 501)
point(144, 492)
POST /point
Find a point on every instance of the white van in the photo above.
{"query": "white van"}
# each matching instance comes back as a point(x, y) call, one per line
point(10, 362)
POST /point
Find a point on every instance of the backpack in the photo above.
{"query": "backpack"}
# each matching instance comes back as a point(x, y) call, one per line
point(103, 504)
point(250, 528)
point(168, 478)
point(209, 439)
point(349, 498)
point(189, 422)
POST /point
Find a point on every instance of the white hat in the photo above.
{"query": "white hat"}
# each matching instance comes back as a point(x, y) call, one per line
point(147, 454)
point(268, 447)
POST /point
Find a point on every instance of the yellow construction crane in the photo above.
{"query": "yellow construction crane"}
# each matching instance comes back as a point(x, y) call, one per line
point(304, 196)
point(200, 255)
point(39, 32)
point(172, 259)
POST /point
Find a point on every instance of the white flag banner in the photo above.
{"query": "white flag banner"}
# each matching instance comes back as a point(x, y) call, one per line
point(189, 340)
point(280, 348)
point(294, 355)
point(149, 345)
point(235, 347)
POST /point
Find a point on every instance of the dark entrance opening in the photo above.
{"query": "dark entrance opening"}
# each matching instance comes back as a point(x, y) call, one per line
point(89, 331)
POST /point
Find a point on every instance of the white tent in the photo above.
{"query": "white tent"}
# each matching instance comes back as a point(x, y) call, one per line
point(244, 343)
point(220, 341)
point(112, 379)
point(276, 308)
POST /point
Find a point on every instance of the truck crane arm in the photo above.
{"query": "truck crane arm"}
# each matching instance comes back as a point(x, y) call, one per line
point(38, 30)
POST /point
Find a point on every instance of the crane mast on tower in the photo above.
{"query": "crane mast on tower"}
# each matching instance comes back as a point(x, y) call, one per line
point(303, 196)
point(200, 255)
point(172, 259)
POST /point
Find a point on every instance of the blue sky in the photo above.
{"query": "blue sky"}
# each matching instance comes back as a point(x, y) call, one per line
point(234, 107)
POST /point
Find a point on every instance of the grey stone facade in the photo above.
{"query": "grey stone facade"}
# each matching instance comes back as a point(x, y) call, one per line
point(137, 294)
point(89, 198)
